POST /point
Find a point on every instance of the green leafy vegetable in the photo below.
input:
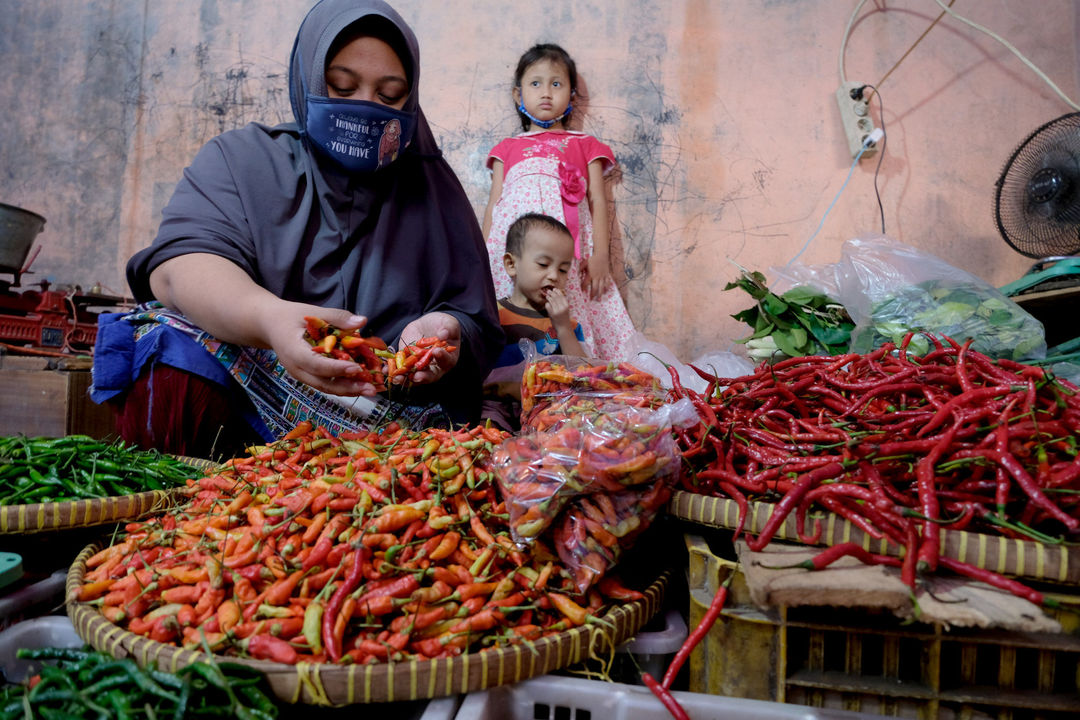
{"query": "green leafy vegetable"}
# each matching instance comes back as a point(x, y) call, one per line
point(801, 321)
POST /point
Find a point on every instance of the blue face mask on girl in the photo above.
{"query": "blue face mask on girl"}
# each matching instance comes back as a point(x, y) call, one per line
point(359, 135)
point(544, 123)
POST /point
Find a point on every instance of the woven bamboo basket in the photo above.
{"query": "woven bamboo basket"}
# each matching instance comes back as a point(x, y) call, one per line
point(64, 515)
point(338, 685)
point(1019, 558)
point(53, 516)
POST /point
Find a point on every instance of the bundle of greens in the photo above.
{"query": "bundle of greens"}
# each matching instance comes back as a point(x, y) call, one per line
point(802, 321)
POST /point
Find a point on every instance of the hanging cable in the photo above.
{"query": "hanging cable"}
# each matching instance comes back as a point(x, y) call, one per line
point(870, 140)
point(847, 32)
point(843, 41)
point(917, 41)
point(881, 152)
point(1014, 51)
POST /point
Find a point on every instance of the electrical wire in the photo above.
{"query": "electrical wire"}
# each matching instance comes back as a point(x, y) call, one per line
point(917, 41)
point(843, 41)
point(881, 153)
point(854, 164)
point(1014, 51)
point(847, 33)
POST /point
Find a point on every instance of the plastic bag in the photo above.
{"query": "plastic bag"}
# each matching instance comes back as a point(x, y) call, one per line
point(889, 289)
point(594, 530)
point(654, 357)
point(607, 449)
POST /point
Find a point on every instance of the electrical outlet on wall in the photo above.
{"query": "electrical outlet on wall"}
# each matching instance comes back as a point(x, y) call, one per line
point(855, 115)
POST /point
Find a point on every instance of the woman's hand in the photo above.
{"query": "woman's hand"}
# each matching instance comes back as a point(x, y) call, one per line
point(439, 325)
point(285, 333)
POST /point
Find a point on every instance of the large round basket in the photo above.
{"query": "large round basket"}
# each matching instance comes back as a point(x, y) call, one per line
point(1021, 558)
point(337, 685)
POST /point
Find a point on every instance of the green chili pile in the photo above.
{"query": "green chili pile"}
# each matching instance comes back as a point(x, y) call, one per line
point(78, 467)
point(84, 683)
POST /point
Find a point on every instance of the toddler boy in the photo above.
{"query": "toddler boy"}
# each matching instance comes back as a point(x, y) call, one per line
point(539, 250)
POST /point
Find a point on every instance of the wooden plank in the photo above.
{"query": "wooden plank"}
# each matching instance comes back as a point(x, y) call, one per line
point(33, 402)
point(36, 400)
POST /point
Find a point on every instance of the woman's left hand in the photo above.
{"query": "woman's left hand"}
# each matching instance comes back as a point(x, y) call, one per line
point(440, 325)
point(597, 276)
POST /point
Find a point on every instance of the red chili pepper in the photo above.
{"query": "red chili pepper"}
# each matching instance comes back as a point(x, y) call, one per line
point(331, 642)
point(664, 694)
point(791, 500)
point(267, 647)
point(999, 581)
point(834, 552)
point(699, 632)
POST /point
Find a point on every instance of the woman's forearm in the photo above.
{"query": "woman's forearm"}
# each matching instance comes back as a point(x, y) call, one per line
point(216, 295)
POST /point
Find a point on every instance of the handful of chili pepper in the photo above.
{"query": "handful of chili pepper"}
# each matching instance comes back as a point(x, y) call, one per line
point(364, 547)
point(381, 364)
point(78, 467)
point(84, 683)
point(900, 446)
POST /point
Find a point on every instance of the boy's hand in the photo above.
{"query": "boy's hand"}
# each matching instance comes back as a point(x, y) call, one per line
point(558, 308)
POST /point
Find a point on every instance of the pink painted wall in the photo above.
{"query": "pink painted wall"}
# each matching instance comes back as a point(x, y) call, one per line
point(722, 113)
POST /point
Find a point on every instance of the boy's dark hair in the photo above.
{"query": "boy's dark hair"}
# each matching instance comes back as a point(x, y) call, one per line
point(552, 53)
point(515, 236)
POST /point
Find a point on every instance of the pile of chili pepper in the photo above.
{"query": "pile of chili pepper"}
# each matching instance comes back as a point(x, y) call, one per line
point(359, 548)
point(76, 683)
point(381, 365)
point(900, 446)
point(78, 467)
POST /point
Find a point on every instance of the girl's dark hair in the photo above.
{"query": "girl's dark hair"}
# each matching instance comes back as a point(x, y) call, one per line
point(520, 228)
point(552, 53)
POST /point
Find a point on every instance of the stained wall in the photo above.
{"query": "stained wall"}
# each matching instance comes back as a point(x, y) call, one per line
point(722, 114)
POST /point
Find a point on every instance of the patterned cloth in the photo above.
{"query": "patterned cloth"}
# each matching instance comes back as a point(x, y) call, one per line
point(155, 334)
point(547, 172)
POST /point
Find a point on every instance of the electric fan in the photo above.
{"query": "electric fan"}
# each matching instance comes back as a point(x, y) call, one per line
point(1037, 205)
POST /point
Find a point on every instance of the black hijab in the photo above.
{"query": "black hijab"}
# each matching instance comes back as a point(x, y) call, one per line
point(391, 245)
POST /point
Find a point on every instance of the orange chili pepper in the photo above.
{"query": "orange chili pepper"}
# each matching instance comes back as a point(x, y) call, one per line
point(446, 546)
point(280, 592)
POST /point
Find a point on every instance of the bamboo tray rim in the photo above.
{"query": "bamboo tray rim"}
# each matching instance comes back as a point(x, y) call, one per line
point(70, 514)
point(330, 684)
point(1020, 558)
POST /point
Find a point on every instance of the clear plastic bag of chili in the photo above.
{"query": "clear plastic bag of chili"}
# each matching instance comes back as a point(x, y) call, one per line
point(601, 446)
point(549, 380)
point(594, 530)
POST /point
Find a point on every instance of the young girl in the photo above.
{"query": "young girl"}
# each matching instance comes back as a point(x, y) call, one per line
point(551, 170)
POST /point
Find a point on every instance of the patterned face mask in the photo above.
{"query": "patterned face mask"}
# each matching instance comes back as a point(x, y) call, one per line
point(359, 135)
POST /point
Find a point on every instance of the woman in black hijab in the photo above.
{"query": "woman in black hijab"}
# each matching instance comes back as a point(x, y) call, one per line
point(351, 215)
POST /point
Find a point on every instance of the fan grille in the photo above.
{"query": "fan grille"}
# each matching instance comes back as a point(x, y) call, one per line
point(1037, 204)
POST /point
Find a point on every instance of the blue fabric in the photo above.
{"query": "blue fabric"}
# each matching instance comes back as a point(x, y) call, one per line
point(119, 360)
